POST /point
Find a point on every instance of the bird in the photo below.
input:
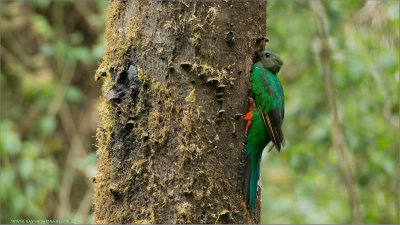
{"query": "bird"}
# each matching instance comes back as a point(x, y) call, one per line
point(263, 120)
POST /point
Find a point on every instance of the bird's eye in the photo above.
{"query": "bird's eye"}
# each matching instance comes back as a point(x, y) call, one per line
point(267, 55)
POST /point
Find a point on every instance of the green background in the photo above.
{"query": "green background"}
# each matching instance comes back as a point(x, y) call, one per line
point(50, 52)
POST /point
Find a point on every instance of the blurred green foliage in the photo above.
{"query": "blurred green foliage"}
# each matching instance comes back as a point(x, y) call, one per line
point(49, 53)
point(302, 184)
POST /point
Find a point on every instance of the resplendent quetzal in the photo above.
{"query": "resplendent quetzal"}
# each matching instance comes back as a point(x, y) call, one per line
point(264, 119)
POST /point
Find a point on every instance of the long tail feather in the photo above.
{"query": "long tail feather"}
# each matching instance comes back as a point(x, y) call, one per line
point(252, 175)
point(247, 176)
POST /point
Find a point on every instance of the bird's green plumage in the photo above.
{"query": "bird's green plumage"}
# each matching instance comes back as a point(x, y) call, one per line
point(266, 89)
point(266, 119)
point(257, 139)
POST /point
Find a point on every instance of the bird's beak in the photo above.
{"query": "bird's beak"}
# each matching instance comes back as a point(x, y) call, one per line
point(280, 61)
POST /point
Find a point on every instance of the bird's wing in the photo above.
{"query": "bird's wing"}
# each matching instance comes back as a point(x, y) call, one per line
point(267, 99)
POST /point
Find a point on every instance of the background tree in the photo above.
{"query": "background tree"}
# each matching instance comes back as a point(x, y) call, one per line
point(304, 184)
point(49, 51)
point(171, 135)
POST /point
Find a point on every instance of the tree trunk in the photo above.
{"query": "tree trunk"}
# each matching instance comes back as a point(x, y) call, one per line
point(170, 140)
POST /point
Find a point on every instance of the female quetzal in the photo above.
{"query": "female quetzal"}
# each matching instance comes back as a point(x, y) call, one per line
point(264, 119)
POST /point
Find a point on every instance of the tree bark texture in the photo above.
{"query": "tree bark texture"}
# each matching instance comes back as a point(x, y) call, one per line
point(170, 140)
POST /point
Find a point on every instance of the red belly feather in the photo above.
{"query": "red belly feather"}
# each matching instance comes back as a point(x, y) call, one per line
point(248, 116)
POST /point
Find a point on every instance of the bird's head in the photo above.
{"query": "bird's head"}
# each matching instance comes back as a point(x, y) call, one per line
point(271, 61)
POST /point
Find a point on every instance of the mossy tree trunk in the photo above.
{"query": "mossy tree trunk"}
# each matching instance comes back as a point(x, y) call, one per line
point(170, 140)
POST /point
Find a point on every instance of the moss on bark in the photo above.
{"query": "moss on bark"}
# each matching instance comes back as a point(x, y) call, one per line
point(170, 140)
